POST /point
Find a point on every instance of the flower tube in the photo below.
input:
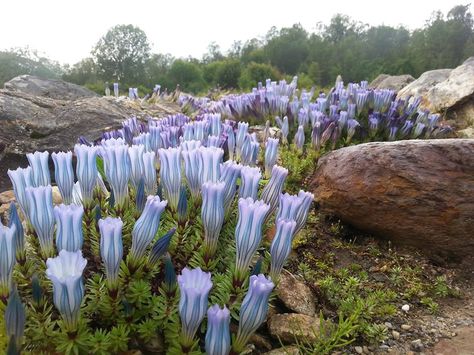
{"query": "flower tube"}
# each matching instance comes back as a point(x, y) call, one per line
point(170, 175)
point(117, 170)
point(7, 258)
point(218, 333)
point(135, 153)
point(86, 171)
point(212, 214)
point(230, 172)
point(149, 173)
point(69, 227)
point(21, 178)
point(211, 159)
point(281, 246)
point(64, 174)
point(39, 163)
point(271, 192)
point(250, 178)
point(271, 155)
point(111, 248)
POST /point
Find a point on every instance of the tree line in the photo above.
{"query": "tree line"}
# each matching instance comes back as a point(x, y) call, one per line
point(345, 46)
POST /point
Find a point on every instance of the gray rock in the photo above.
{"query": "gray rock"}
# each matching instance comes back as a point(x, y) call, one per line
point(359, 350)
point(289, 327)
point(54, 89)
point(392, 82)
point(32, 123)
point(413, 192)
point(424, 83)
point(296, 295)
point(395, 335)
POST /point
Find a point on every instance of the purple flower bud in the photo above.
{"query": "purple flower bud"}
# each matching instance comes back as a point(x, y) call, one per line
point(230, 172)
point(212, 214)
point(218, 334)
point(170, 175)
point(14, 220)
point(281, 246)
point(194, 285)
point(250, 178)
point(39, 163)
point(271, 192)
point(271, 155)
point(111, 248)
point(248, 232)
point(69, 227)
point(64, 174)
point(299, 138)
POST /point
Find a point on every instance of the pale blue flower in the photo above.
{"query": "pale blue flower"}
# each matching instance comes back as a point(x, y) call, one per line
point(230, 141)
point(21, 178)
point(170, 175)
point(86, 170)
point(271, 192)
point(240, 137)
point(143, 139)
point(190, 145)
point(41, 216)
point(284, 128)
point(299, 138)
point(149, 173)
point(306, 199)
point(39, 163)
point(146, 226)
point(281, 245)
point(116, 90)
point(213, 141)
point(65, 272)
point(218, 333)
point(193, 171)
point(248, 232)
point(117, 170)
point(230, 172)
point(216, 125)
point(271, 155)
point(14, 220)
point(200, 130)
point(250, 178)
point(254, 309)
point(135, 153)
point(194, 286)
point(7, 257)
point(69, 227)
point(64, 174)
point(111, 248)
point(188, 131)
point(212, 214)
point(211, 158)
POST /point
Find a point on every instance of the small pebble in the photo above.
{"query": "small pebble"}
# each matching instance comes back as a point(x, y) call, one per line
point(359, 350)
point(388, 325)
point(405, 308)
point(406, 326)
point(395, 334)
point(417, 345)
point(366, 349)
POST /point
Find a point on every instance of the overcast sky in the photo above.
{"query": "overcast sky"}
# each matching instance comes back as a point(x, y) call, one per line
point(66, 30)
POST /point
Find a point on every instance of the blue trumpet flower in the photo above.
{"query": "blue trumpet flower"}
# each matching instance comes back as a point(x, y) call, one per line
point(248, 232)
point(352, 125)
point(146, 226)
point(250, 178)
point(19, 235)
point(194, 285)
point(316, 136)
point(170, 175)
point(281, 246)
point(64, 174)
point(192, 171)
point(135, 153)
point(254, 309)
point(117, 168)
point(140, 198)
point(271, 155)
point(21, 178)
point(86, 170)
point(299, 138)
point(41, 216)
point(213, 141)
point(65, 272)
point(69, 227)
point(116, 90)
point(212, 214)
point(216, 125)
point(15, 318)
point(230, 172)
point(39, 163)
point(240, 137)
point(160, 247)
point(7, 258)
point(305, 201)
point(230, 141)
point(218, 333)
point(284, 128)
point(111, 248)
point(271, 192)
point(211, 160)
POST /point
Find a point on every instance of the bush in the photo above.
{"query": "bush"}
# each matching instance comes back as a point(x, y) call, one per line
point(256, 72)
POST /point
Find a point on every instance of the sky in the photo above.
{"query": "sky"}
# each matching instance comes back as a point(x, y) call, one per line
point(66, 30)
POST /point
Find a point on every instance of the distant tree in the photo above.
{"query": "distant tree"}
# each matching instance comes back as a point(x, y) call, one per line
point(82, 73)
point(256, 72)
point(188, 75)
point(213, 53)
point(122, 53)
point(156, 70)
point(288, 49)
point(21, 61)
point(228, 73)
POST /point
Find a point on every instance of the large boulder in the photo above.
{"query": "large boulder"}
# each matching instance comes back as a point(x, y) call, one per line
point(424, 83)
point(54, 89)
point(392, 82)
point(30, 123)
point(416, 192)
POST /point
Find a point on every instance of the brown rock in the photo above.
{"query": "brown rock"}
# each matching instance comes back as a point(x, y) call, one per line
point(392, 82)
point(461, 344)
point(289, 327)
point(416, 192)
point(287, 350)
point(6, 197)
point(296, 295)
